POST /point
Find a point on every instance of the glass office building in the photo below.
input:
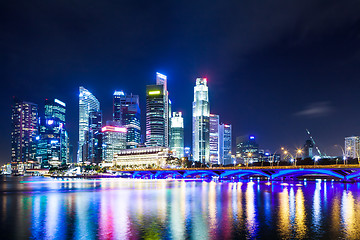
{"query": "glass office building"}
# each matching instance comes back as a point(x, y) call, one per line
point(53, 140)
point(87, 103)
point(114, 140)
point(201, 123)
point(95, 137)
point(157, 113)
point(126, 111)
point(214, 139)
point(177, 134)
point(24, 119)
point(225, 144)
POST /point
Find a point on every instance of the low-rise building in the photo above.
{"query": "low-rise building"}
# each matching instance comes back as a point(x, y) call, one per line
point(142, 158)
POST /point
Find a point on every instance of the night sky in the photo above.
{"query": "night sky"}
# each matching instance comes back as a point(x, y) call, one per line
point(274, 68)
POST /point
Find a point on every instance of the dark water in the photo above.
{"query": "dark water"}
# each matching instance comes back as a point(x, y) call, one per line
point(42, 208)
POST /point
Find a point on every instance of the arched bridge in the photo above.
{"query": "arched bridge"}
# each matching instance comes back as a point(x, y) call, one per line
point(343, 172)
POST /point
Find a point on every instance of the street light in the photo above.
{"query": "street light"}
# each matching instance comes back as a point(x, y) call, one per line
point(287, 153)
point(298, 152)
point(249, 156)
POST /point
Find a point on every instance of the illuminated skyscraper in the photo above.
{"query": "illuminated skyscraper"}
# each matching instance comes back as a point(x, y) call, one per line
point(126, 111)
point(201, 123)
point(157, 113)
point(95, 137)
point(55, 110)
point(24, 131)
point(177, 134)
point(87, 103)
point(214, 139)
point(225, 143)
point(114, 140)
point(352, 147)
point(53, 140)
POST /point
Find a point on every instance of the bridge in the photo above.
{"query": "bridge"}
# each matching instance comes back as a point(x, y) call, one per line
point(339, 172)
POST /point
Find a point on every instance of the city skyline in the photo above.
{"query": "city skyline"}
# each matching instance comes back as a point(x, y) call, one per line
point(271, 79)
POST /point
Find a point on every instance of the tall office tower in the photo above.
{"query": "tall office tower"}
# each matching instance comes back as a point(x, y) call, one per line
point(352, 147)
point(308, 149)
point(201, 124)
point(177, 134)
point(114, 140)
point(157, 113)
point(24, 130)
point(53, 140)
point(95, 137)
point(225, 144)
point(49, 141)
point(126, 111)
point(55, 110)
point(214, 139)
point(87, 103)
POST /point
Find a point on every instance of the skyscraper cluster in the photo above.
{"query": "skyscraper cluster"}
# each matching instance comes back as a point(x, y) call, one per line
point(39, 138)
point(163, 128)
point(44, 139)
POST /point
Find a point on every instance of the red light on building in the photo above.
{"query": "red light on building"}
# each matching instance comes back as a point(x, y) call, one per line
point(113, 129)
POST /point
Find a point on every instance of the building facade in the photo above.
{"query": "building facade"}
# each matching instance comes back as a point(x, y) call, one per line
point(24, 123)
point(352, 147)
point(53, 140)
point(94, 137)
point(114, 140)
point(201, 122)
point(157, 113)
point(126, 111)
point(214, 139)
point(177, 134)
point(142, 158)
point(87, 103)
point(225, 133)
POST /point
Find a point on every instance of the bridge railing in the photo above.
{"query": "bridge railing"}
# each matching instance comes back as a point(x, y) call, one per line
point(338, 166)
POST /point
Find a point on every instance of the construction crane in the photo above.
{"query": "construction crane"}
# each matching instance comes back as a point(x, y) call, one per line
point(313, 141)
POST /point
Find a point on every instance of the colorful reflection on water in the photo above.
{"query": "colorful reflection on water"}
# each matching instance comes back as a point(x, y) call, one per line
point(42, 208)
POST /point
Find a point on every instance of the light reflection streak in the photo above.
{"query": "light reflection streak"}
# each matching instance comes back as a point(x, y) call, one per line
point(52, 216)
point(239, 204)
point(212, 208)
point(284, 214)
point(106, 218)
point(121, 214)
point(300, 218)
point(199, 227)
point(250, 209)
point(177, 221)
point(317, 206)
point(348, 214)
point(82, 219)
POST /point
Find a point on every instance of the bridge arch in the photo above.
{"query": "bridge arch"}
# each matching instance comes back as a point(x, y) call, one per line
point(200, 172)
point(243, 172)
point(353, 175)
point(301, 172)
point(161, 174)
point(141, 174)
